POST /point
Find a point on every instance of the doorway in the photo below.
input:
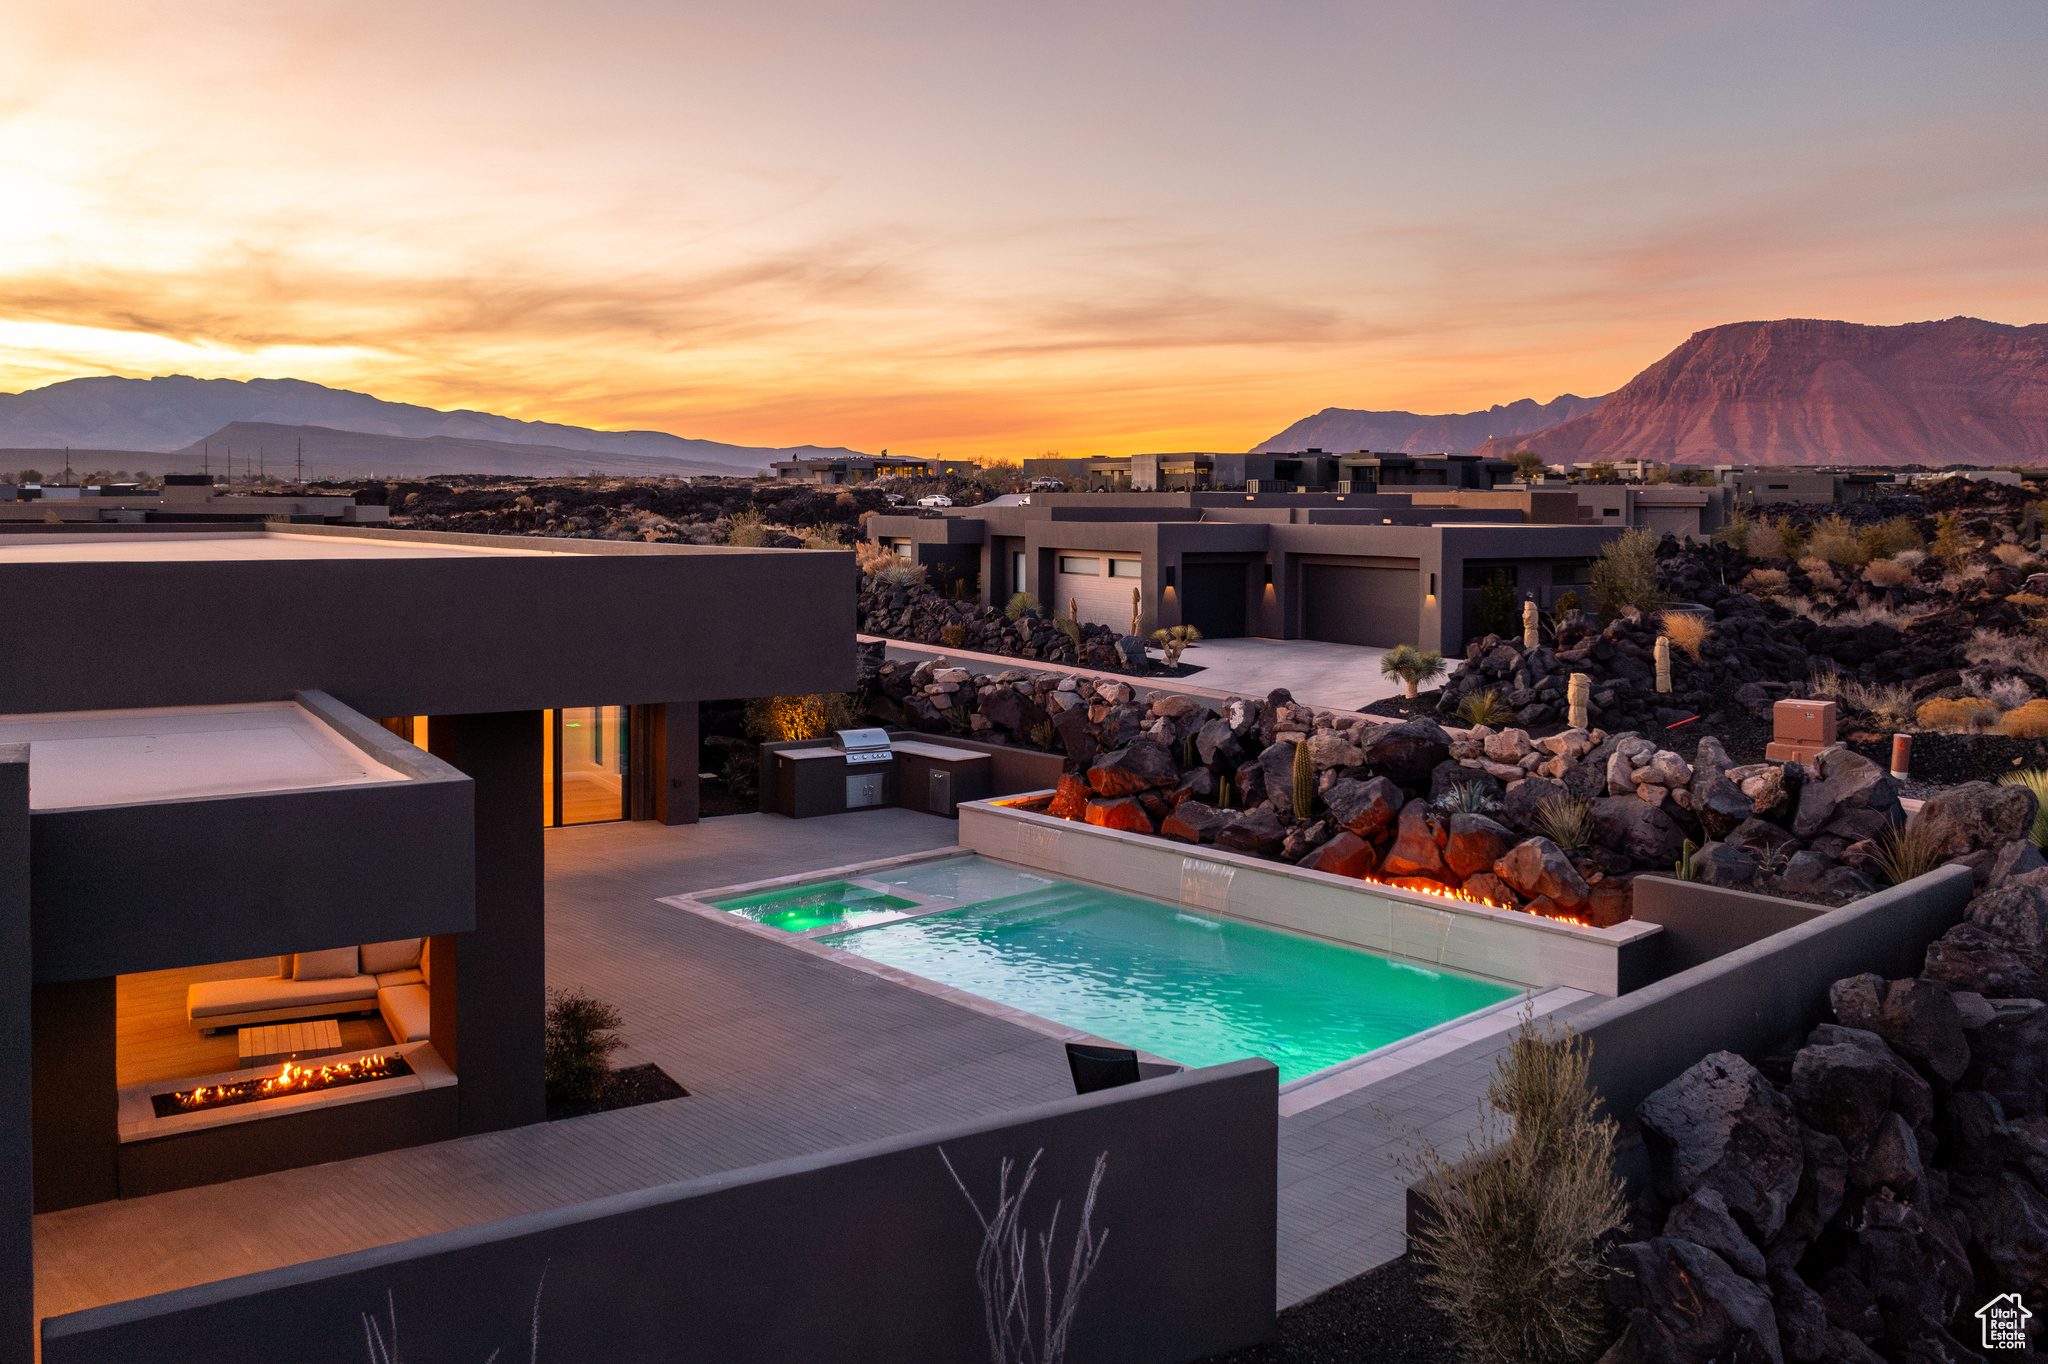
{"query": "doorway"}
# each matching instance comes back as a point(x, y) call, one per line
point(588, 755)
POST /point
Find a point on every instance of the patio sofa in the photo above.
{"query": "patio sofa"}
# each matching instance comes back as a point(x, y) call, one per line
point(393, 978)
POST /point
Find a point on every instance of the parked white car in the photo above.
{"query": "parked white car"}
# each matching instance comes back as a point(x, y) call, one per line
point(935, 500)
point(894, 498)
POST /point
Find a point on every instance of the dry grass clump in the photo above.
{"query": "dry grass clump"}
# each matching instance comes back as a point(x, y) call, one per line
point(1888, 538)
point(1871, 613)
point(2027, 721)
point(1961, 715)
point(1891, 704)
point(1951, 544)
point(2016, 651)
point(1905, 852)
point(1911, 558)
point(2012, 556)
point(1764, 582)
point(1513, 1258)
point(1820, 574)
point(2035, 780)
point(1566, 820)
point(1773, 537)
point(870, 557)
point(2008, 693)
point(1687, 630)
point(1836, 541)
point(1485, 708)
point(1887, 573)
point(2027, 601)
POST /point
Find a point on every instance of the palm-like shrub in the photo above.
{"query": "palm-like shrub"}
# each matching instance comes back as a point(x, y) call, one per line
point(1566, 820)
point(1174, 640)
point(1412, 666)
point(1484, 708)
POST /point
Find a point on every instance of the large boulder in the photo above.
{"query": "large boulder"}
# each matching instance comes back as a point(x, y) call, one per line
point(1077, 734)
point(1407, 752)
point(1119, 812)
point(1890, 1161)
point(2009, 1057)
point(1912, 1097)
point(1538, 867)
point(1917, 1018)
point(1843, 779)
point(1070, 799)
point(2017, 914)
point(1475, 844)
point(1140, 765)
point(1328, 748)
point(1972, 957)
point(1723, 864)
point(1416, 851)
point(2008, 1230)
point(1916, 1267)
point(1703, 1219)
point(1345, 855)
point(1492, 889)
point(1643, 831)
point(1194, 821)
point(1009, 709)
point(1686, 1306)
point(1759, 838)
point(1216, 743)
point(1975, 815)
point(1721, 1126)
point(1252, 831)
point(1523, 804)
point(1277, 762)
point(1365, 808)
point(1841, 1090)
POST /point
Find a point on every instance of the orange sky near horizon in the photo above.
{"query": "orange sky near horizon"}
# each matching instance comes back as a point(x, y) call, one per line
point(1001, 230)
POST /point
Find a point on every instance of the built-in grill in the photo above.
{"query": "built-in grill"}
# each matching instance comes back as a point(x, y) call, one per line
point(865, 746)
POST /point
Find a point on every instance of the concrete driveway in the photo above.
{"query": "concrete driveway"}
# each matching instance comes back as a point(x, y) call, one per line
point(1340, 676)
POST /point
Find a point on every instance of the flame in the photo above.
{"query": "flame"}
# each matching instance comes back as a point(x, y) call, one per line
point(293, 1079)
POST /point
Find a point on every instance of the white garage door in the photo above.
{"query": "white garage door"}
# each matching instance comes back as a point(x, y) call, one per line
point(1099, 586)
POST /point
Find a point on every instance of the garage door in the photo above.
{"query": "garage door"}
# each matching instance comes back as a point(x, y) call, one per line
point(1343, 604)
point(1099, 586)
point(1212, 598)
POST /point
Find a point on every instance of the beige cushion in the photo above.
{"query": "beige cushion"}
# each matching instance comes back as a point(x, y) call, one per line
point(408, 1012)
point(332, 964)
point(213, 998)
point(387, 978)
point(401, 955)
point(427, 961)
point(284, 965)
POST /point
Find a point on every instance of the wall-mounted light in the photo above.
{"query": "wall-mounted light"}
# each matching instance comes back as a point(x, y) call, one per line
point(1269, 575)
point(1166, 578)
point(1250, 497)
point(1430, 600)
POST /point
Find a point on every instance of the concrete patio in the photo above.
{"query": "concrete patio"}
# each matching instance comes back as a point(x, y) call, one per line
point(784, 1053)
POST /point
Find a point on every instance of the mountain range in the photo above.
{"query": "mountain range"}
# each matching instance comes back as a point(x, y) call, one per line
point(1801, 391)
point(1341, 430)
point(179, 415)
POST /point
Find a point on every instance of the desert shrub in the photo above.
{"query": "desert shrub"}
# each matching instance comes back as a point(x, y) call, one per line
point(1566, 820)
point(1499, 612)
point(1871, 613)
point(822, 536)
point(1567, 600)
point(1824, 681)
point(1911, 558)
point(2015, 651)
point(777, 719)
point(2028, 720)
point(1836, 541)
point(1467, 798)
point(1020, 602)
point(1951, 545)
point(1905, 852)
point(1889, 704)
point(1964, 713)
point(1625, 574)
point(748, 530)
point(1764, 582)
point(1513, 1258)
point(1735, 534)
point(582, 1033)
point(1820, 574)
point(1887, 573)
point(1887, 538)
point(1766, 540)
point(902, 573)
point(2011, 555)
point(1485, 708)
point(870, 557)
point(1688, 630)
point(953, 636)
point(2010, 693)
point(1071, 628)
point(2027, 601)
point(2035, 780)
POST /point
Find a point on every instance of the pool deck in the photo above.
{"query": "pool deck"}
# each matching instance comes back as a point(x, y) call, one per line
point(784, 1052)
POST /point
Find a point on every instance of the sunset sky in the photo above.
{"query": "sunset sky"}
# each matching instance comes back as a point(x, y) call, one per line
point(996, 229)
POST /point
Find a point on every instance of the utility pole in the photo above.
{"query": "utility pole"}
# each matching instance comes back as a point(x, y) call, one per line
point(302, 461)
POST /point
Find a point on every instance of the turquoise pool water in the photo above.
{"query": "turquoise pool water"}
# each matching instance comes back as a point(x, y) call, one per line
point(1191, 987)
point(815, 906)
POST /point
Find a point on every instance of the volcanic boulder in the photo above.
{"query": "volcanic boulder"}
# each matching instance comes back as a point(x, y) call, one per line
point(1721, 1126)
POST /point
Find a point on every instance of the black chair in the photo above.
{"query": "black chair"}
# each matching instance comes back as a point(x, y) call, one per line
point(1102, 1067)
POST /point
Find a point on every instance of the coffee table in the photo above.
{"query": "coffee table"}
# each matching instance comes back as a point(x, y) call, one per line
point(273, 1042)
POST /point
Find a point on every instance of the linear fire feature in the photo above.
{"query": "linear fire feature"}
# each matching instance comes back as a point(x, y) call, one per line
point(293, 1079)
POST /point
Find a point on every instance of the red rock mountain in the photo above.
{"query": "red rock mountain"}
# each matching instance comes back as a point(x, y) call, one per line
point(1807, 392)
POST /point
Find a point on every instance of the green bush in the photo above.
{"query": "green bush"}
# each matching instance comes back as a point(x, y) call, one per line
point(1625, 575)
point(1020, 602)
point(582, 1034)
point(1499, 612)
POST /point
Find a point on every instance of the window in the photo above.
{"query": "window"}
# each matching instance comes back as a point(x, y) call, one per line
point(903, 549)
point(1017, 570)
point(1571, 575)
point(1073, 563)
point(1777, 487)
point(1610, 511)
point(1126, 568)
point(1479, 575)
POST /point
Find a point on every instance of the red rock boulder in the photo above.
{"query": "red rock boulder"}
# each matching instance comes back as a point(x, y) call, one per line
point(1119, 812)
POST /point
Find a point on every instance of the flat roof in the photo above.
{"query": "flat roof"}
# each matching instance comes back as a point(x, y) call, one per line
point(83, 759)
point(254, 545)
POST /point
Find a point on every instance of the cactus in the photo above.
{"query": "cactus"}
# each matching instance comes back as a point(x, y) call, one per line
point(1304, 780)
point(1686, 867)
point(1187, 751)
point(1223, 792)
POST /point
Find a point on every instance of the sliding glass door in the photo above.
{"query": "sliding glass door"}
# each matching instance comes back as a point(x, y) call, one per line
point(586, 750)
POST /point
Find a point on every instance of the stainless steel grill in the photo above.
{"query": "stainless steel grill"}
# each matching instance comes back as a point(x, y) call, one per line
point(865, 745)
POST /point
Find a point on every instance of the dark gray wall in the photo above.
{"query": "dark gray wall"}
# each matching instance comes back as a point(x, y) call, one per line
point(588, 623)
point(861, 1254)
point(1767, 995)
point(1702, 922)
point(17, 1128)
point(501, 965)
point(76, 1108)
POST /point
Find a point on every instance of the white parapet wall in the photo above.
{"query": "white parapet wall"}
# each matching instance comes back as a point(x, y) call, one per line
point(1526, 949)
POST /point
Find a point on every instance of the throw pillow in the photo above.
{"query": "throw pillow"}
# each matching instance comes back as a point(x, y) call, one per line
point(331, 964)
point(401, 954)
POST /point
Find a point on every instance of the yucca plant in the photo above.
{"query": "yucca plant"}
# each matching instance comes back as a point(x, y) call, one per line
point(1304, 780)
point(1467, 798)
point(1905, 852)
point(2035, 780)
point(1485, 708)
point(1566, 820)
point(1413, 666)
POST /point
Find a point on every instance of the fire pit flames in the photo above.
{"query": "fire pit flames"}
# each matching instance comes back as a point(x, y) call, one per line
point(293, 1079)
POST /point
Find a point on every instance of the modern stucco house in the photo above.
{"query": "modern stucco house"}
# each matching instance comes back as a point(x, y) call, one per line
point(1370, 569)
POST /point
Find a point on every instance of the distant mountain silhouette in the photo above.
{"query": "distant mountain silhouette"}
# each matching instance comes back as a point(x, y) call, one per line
point(175, 412)
point(1340, 430)
point(1800, 391)
point(328, 454)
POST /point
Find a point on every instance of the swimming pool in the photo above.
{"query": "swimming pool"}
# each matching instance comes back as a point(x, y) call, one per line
point(1192, 987)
